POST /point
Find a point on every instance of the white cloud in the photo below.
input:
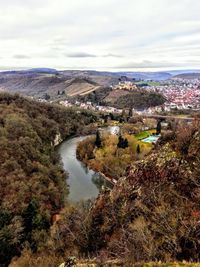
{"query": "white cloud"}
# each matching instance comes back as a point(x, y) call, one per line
point(136, 34)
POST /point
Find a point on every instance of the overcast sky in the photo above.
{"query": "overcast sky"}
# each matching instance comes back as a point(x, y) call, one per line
point(100, 34)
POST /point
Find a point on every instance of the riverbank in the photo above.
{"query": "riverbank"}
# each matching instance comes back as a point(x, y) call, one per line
point(114, 154)
point(83, 182)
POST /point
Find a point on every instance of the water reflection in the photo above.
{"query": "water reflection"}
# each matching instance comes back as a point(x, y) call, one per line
point(83, 183)
point(100, 182)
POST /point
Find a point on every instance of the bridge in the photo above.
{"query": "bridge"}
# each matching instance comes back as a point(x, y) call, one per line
point(168, 117)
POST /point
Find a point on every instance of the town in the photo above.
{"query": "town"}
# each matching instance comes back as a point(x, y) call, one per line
point(180, 94)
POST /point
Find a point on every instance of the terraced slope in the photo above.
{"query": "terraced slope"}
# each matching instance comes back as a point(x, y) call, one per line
point(52, 84)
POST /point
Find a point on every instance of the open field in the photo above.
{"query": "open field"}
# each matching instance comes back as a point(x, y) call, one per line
point(145, 134)
point(150, 83)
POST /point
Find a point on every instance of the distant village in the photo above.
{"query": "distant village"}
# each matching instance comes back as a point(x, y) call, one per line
point(91, 106)
point(180, 94)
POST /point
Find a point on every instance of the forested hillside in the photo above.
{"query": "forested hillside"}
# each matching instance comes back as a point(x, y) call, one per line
point(138, 99)
point(151, 214)
point(153, 211)
point(33, 183)
point(53, 84)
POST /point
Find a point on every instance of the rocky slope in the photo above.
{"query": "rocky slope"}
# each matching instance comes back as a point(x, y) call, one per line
point(153, 212)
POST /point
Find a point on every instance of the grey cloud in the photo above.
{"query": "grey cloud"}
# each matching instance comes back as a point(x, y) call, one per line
point(146, 29)
point(21, 56)
point(146, 64)
point(85, 55)
point(112, 55)
point(80, 55)
point(7, 68)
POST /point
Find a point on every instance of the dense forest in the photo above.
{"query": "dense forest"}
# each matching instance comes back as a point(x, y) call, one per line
point(138, 99)
point(33, 183)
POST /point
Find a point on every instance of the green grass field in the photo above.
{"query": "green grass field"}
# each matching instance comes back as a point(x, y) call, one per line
point(153, 83)
point(144, 134)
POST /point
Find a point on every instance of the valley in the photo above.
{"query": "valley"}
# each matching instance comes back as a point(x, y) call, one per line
point(78, 176)
point(99, 133)
point(147, 92)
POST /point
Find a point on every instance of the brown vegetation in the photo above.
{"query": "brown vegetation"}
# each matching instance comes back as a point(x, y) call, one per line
point(139, 100)
point(151, 214)
point(33, 183)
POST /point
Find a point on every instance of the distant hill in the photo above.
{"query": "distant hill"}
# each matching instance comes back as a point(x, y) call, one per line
point(51, 83)
point(156, 76)
point(177, 72)
point(41, 82)
point(80, 86)
point(188, 76)
point(34, 70)
point(54, 84)
point(138, 99)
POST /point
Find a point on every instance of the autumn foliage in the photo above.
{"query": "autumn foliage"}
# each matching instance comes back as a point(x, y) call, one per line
point(32, 180)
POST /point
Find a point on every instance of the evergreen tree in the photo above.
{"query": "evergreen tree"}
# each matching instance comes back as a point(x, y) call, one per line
point(122, 143)
point(98, 139)
point(125, 143)
point(29, 214)
point(158, 128)
point(138, 149)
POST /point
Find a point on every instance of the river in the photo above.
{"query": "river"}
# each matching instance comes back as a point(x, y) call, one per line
point(83, 183)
